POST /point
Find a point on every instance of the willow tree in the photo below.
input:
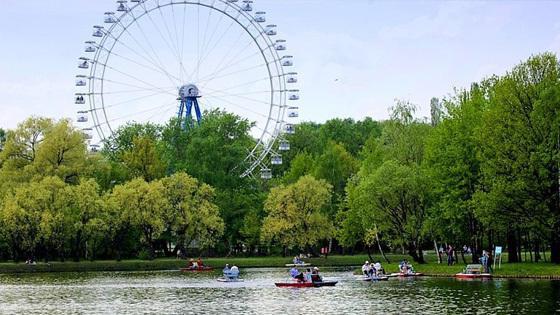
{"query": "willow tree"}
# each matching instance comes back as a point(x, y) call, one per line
point(297, 214)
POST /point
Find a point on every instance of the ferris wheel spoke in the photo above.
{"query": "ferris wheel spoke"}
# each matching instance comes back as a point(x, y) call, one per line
point(147, 13)
point(134, 114)
point(234, 72)
point(130, 101)
point(171, 41)
point(243, 84)
point(118, 41)
point(242, 96)
point(202, 44)
point(216, 44)
point(226, 55)
point(155, 69)
point(207, 43)
point(155, 61)
point(132, 91)
point(131, 76)
point(231, 65)
point(225, 100)
point(132, 85)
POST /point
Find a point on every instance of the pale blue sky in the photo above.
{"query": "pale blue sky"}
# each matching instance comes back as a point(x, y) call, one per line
point(354, 56)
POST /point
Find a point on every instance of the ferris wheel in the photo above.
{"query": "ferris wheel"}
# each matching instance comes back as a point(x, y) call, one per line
point(155, 59)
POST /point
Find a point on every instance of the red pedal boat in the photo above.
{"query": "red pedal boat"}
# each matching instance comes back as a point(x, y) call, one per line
point(463, 275)
point(198, 269)
point(295, 284)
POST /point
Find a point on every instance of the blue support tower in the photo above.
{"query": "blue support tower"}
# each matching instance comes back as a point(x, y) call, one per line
point(188, 97)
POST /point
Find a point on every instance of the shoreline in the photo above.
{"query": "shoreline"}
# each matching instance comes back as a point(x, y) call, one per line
point(537, 271)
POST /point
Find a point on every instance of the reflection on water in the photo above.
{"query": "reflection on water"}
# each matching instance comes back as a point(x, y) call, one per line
point(174, 292)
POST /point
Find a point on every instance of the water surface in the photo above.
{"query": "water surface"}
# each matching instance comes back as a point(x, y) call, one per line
point(172, 292)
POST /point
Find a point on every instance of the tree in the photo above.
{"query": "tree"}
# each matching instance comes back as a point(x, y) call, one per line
point(2, 140)
point(453, 162)
point(141, 205)
point(62, 152)
point(143, 159)
point(520, 159)
point(296, 213)
point(21, 144)
point(394, 201)
point(192, 215)
point(300, 166)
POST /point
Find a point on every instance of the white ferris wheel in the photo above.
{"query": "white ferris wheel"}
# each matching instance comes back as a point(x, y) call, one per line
point(155, 59)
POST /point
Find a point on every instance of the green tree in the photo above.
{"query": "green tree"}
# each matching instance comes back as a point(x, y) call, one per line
point(296, 213)
point(62, 152)
point(143, 159)
point(141, 205)
point(394, 200)
point(520, 154)
point(453, 162)
point(192, 215)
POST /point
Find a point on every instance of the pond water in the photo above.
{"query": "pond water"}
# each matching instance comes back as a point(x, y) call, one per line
point(173, 292)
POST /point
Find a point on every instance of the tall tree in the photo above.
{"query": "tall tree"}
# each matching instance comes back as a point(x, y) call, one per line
point(141, 205)
point(296, 215)
point(521, 144)
point(394, 200)
point(192, 215)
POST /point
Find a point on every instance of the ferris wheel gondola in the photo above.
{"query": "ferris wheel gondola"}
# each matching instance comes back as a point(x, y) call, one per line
point(154, 58)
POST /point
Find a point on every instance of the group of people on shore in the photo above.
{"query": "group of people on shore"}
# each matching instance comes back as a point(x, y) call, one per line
point(372, 269)
point(309, 275)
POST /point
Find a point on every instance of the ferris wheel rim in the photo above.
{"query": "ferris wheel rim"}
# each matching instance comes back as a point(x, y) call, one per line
point(274, 122)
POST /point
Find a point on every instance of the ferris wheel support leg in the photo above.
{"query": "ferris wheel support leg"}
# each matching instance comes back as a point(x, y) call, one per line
point(188, 117)
point(197, 111)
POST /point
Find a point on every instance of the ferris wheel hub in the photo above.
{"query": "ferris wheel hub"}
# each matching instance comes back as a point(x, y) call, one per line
point(188, 90)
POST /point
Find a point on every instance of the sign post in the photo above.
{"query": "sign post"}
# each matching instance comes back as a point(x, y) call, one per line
point(498, 255)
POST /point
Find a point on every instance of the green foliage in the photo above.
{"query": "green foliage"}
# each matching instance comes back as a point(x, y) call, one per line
point(296, 213)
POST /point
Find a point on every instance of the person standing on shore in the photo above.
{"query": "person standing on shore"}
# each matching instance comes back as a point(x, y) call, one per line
point(450, 253)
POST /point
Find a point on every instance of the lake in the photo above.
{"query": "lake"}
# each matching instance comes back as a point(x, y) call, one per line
point(173, 292)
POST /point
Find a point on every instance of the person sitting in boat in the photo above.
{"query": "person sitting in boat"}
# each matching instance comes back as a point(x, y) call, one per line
point(378, 268)
point(366, 268)
point(407, 267)
point(233, 272)
point(294, 272)
point(307, 275)
point(200, 263)
point(315, 277)
point(190, 264)
point(297, 261)
point(226, 269)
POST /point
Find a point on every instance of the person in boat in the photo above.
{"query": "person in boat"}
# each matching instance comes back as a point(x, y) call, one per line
point(307, 275)
point(226, 269)
point(190, 264)
point(315, 277)
point(297, 261)
point(296, 274)
point(233, 272)
point(194, 264)
point(403, 266)
point(484, 260)
point(366, 268)
point(378, 268)
point(200, 263)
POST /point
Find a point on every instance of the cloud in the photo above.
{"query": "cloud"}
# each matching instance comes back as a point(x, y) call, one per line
point(448, 21)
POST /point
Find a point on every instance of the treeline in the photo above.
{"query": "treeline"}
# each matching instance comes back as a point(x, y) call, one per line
point(483, 170)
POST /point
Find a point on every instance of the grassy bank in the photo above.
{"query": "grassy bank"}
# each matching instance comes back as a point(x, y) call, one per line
point(520, 270)
point(171, 264)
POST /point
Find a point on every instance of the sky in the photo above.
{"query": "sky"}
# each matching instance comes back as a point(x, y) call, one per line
point(354, 57)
